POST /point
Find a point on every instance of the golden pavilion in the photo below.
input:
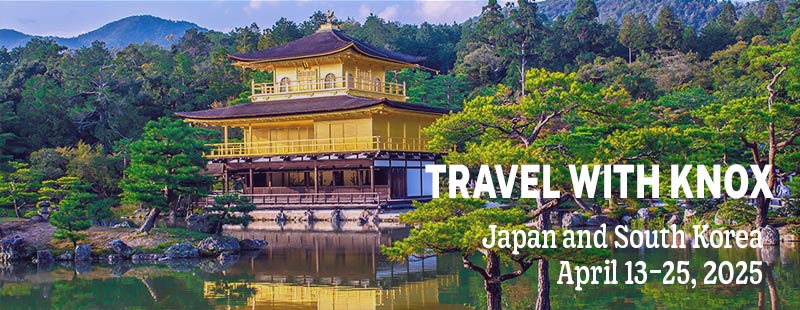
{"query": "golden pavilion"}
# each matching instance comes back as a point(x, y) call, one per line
point(329, 131)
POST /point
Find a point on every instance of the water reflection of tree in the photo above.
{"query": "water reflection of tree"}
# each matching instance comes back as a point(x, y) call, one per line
point(232, 294)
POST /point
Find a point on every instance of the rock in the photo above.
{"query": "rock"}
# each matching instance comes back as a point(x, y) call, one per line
point(197, 222)
point(643, 213)
point(688, 213)
point(83, 267)
point(179, 251)
point(225, 257)
point(120, 269)
point(44, 257)
point(120, 248)
point(555, 217)
point(597, 220)
point(183, 265)
point(770, 236)
point(252, 244)
point(83, 252)
point(718, 219)
point(14, 249)
point(145, 257)
point(66, 257)
point(626, 219)
point(674, 220)
point(574, 219)
point(1, 233)
point(37, 219)
point(213, 246)
point(124, 224)
point(114, 258)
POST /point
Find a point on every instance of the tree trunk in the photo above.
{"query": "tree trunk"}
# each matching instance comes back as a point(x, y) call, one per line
point(494, 295)
point(150, 221)
point(762, 210)
point(492, 284)
point(543, 294)
point(630, 56)
point(17, 212)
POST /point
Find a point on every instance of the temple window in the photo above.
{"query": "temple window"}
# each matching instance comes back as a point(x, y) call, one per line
point(376, 86)
point(350, 81)
point(330, 81)
point(284, 86)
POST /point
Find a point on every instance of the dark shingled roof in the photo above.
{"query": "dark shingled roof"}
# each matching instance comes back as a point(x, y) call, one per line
point(303, 106)
point(321, 43)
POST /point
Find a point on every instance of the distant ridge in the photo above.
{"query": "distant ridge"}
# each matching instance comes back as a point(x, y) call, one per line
point(692, 12)
point(117, 34)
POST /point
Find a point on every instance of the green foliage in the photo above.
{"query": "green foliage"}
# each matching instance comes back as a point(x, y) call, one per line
point(736, 213)
point(18, 188)
point(166, 164)
point(230, 209)
point(72, 216)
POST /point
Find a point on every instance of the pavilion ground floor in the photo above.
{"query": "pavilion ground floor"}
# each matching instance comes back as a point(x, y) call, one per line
point(346, 180)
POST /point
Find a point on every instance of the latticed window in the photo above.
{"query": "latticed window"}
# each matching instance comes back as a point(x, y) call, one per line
point(330, 81)
point(306, 79)
point(363, 79)
point(350, 81)
point(284, 86)
point(377, 85)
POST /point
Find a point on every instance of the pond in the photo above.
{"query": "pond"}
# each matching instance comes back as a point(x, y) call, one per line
point(326, 267)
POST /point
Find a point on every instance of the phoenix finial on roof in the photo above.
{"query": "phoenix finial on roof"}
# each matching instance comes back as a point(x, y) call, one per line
point(330, 16)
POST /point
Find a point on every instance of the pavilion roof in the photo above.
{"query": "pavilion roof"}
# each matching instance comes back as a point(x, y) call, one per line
point(303, 106)
point(321, 43)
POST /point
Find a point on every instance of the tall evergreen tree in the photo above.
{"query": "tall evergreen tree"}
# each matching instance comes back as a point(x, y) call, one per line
point(165, 168)
point(626, 34)
point(669, 29)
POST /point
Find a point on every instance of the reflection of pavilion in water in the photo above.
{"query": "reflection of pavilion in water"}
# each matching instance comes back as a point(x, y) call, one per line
point(342, 270)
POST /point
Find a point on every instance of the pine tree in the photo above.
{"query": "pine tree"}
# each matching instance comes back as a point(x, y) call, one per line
point(72, 216)
point(669, 29)
point(230, 209)
point(792, 13)
point(644, 35)
point(773, 18)
point(165, 168)
point(625, 36)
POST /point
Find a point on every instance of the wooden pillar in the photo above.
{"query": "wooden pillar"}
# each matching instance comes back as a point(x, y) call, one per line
point(225, 129)
point(372, 178)
point(252, 187)
point(391, 176)
point(225, 178)
point(316, 177)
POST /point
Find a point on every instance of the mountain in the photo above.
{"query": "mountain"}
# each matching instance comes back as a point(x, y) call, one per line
point(11, 38)
point(692, 12)
point(117, 34)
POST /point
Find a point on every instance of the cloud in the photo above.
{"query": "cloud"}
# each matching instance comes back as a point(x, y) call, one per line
point(256, 4)
point(363, 11)
point(447, 11)
point(390, 12)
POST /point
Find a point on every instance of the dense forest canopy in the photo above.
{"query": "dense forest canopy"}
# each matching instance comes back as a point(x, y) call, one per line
point(693, 12)
point(98, 99)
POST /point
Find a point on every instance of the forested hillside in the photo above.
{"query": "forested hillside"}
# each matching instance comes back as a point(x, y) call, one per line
point(116, 34)
point(692, 12)
point(65, 112)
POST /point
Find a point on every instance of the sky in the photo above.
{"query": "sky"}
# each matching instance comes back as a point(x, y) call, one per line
point(71, 18)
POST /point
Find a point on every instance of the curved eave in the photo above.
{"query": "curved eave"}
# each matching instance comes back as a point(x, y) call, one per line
point(380, 105)
point(248, 61)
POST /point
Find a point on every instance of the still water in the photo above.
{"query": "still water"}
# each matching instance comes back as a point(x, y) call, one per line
point(325, 267)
